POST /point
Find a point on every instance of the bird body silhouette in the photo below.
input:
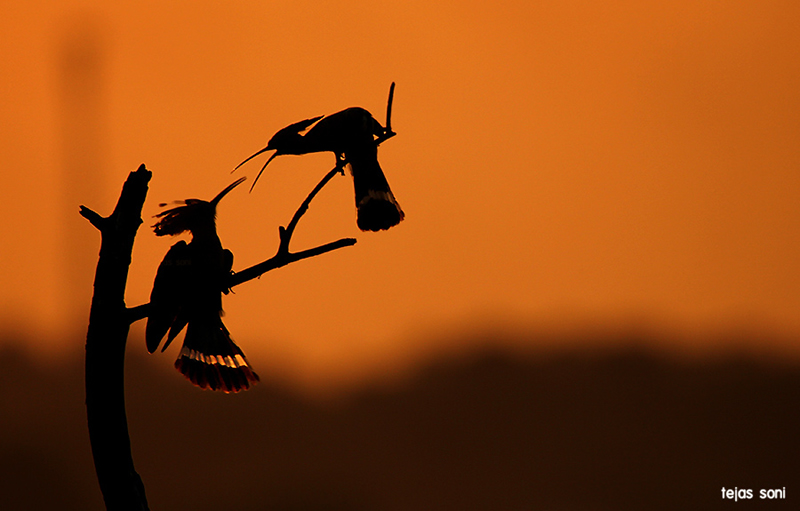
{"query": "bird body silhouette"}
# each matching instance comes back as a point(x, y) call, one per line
point(187, 292)
point(350, 135)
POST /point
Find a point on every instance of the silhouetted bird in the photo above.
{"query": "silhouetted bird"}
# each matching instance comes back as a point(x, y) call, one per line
point(187, 292)
point(349, 134)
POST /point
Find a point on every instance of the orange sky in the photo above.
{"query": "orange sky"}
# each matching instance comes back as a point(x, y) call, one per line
point(566, 161)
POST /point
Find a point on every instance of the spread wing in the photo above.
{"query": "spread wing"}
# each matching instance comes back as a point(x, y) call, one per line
point(168, 298)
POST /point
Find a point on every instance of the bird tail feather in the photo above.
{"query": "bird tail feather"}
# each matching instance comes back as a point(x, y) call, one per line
point(376, 207)
point(211, 360)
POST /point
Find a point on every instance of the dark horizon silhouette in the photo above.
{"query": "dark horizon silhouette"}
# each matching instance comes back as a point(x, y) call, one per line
point(611, 428)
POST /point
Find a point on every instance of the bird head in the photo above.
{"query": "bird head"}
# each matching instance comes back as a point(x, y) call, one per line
point(287, 140)
point(191, 214)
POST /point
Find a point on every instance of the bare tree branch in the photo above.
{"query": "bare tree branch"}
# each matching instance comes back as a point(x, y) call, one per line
point(138, 312)
point(282, 259)
point(105, 349)
point(94, 218)
point(284, 256)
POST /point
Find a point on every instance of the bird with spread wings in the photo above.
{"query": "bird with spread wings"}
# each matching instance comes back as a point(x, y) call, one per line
point(187, 292)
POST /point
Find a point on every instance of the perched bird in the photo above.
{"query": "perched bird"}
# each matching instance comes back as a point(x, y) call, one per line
point(349, 134)
point(187, 292)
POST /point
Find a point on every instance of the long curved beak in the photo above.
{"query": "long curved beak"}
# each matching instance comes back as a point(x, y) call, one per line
point(262, 168)
point(268, 148)
point(224, 192)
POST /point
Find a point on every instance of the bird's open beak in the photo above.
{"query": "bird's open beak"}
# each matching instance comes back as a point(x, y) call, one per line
point(224, 192)
point(262, 168)
point(268, 148)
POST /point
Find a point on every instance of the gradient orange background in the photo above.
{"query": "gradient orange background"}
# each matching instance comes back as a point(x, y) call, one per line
point(561, 164)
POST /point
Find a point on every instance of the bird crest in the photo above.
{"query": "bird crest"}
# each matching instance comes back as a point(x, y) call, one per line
point(190, 214)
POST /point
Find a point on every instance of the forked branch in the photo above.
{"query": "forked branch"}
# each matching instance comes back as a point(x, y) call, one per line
point(283, 255)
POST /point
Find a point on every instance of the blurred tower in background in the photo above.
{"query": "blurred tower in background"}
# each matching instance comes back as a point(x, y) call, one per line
point(82, 109)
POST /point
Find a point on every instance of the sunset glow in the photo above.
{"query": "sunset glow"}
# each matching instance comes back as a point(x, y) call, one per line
point(560, 164)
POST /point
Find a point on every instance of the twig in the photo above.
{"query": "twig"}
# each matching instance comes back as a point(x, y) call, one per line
point(387, 132)
point(94, 218)
point(105, 349)
point(389, 108)
point(279, 260)
point(134, 314)
point(283, 255)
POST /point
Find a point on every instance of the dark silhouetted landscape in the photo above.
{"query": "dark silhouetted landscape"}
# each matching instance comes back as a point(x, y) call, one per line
point(611, 429)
